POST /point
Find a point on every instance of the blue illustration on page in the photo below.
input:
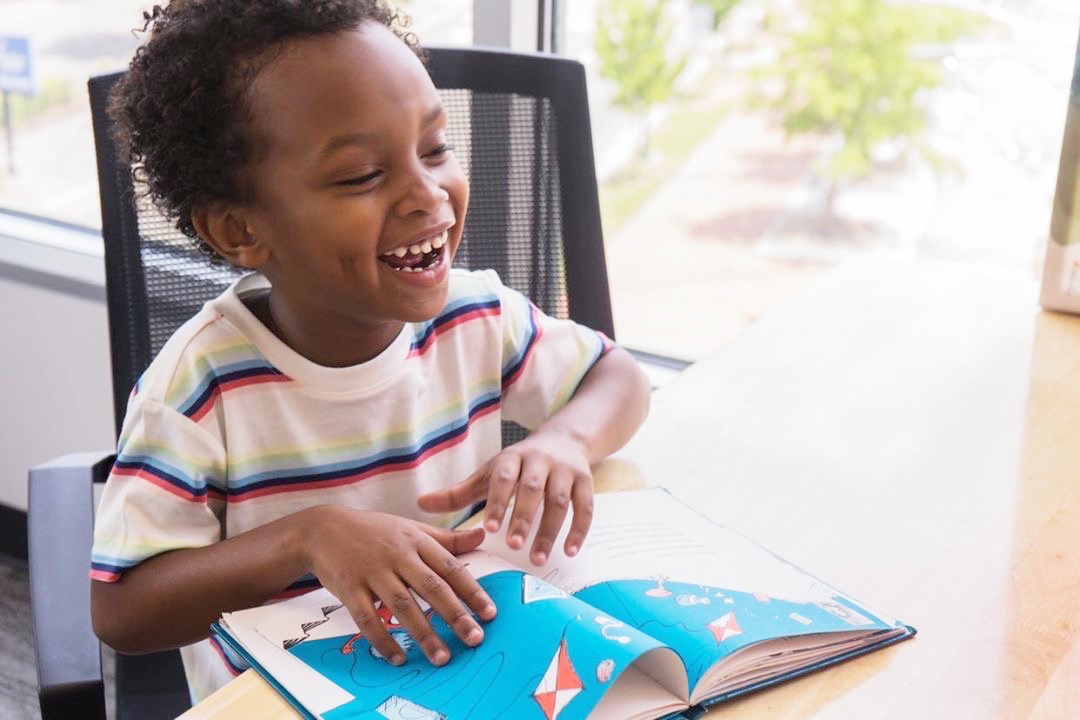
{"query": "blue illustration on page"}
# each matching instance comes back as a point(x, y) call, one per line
point(542, 659)
point(551, 656)
point(704, 624)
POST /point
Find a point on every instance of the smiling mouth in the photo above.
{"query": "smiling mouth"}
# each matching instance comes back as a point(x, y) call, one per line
point(417, 258)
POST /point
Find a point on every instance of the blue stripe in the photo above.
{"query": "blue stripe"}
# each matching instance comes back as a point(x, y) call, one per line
point(217, 377)
point(523, 353)
point(110, 567)
point(168, 473)
point(335, 471)
point(450, 312)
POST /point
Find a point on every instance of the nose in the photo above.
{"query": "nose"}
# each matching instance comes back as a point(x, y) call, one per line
point(421, 192)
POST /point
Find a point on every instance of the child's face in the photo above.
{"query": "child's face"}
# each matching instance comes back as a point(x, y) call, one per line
point(356, 166)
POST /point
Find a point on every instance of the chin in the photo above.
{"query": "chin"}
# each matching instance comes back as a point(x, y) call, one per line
point(428, 309)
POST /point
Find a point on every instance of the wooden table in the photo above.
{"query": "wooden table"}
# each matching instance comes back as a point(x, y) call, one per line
point(911, 434)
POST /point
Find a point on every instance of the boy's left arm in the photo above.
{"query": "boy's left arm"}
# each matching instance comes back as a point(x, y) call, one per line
point(551, 466)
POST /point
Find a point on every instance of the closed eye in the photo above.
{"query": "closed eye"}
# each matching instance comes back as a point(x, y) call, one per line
point(362, 180)
point(440, 151)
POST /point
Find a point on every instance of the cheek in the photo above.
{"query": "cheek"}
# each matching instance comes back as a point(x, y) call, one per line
point(456, 183)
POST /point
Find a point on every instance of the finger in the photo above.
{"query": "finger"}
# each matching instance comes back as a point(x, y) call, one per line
point(396, 595)
point(502, 479)
point(530, 491)
point(556, 503)
point(455, 541)
point(582, 499)
point(460, 580)
point(428, 579)
point(362, 609)
point(468, 492)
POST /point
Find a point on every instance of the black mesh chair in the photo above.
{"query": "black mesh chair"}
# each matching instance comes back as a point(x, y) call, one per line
point(520, 125)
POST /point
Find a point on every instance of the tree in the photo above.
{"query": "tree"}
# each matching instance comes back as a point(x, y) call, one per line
point(720, 9)
point(631, 41)
point(852, 71)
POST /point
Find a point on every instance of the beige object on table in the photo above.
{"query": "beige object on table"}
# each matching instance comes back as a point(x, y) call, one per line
point(910, 433)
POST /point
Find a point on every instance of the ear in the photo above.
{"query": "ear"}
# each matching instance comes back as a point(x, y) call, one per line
point(227, 230)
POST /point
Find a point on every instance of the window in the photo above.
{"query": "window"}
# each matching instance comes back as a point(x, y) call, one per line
point(52, 172)
point(941, 141)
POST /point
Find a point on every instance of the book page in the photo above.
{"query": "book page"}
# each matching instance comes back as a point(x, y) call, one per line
point(656, 565)
point(545, 648)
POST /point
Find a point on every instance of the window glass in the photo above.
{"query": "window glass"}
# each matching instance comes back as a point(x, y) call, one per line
point(52, 171)
point(745, 147)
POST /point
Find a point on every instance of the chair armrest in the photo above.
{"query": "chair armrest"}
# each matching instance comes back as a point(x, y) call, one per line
point(60, 530)
point(658, 368)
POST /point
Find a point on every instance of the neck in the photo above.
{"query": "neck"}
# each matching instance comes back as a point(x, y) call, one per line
point(324, 339)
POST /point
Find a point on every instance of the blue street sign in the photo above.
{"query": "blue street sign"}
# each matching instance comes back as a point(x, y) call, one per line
point(16, 68)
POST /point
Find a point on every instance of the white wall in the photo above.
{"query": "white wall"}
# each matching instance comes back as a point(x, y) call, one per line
point(55, 379)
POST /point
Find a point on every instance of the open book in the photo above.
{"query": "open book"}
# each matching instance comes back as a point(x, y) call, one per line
point(662, 612)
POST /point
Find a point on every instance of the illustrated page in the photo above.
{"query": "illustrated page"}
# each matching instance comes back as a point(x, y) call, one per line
point(655, 565)
point(545, 656)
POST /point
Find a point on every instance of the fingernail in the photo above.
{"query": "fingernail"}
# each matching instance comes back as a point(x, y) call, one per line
point(474, 637)
point(398, 659)
point(491, 525)
point(539, 558)
point(572, 550)
point(488, 611)
point(516, 541)
point(440, 657)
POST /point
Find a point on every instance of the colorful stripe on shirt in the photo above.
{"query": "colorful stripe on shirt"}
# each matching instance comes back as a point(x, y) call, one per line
point(230, 377)
point(233, 663)
point(109, 569)
point(455, 314)
point(351, 471)
point(155, 470)
point(513, 367)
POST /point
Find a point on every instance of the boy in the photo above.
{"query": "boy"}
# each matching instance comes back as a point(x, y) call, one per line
point(325, 419)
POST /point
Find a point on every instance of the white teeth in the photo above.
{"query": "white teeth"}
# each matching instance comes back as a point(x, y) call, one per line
point(422, 248)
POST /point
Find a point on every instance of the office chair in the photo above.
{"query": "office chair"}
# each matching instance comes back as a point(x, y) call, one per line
point(520, 126)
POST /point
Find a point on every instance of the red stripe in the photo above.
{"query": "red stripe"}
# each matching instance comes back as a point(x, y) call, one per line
point(103, 576)
point(232, 385)
point(350, 479)
point(440, 329)
point(143, 474)
point(225, 660)
point(528, 353)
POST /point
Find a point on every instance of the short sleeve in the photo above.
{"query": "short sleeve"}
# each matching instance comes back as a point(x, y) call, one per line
point(165, 491)
point(544, 359)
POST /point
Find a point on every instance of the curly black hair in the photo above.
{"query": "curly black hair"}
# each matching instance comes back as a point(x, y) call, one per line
point(181, 113)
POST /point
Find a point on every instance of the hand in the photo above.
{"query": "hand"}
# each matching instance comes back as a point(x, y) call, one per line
point(363, 556)
point(548, 466)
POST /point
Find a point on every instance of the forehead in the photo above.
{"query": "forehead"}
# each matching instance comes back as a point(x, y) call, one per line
point(364, 79)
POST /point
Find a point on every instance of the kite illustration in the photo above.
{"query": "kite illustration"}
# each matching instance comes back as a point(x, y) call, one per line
point(559, 685)
point(725, 627)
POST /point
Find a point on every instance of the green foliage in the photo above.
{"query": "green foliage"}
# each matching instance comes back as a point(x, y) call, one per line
point(720, 9)
point(631, 41)
point(852, 70)
point(55, 92)
point(690, 122)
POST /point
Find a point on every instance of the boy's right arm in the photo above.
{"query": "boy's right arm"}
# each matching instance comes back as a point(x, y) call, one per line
point(170, 599)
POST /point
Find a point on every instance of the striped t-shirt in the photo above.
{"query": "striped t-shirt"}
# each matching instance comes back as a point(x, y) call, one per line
point(229, 428)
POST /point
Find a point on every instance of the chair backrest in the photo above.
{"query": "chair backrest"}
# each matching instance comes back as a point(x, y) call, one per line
point(520, 126)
